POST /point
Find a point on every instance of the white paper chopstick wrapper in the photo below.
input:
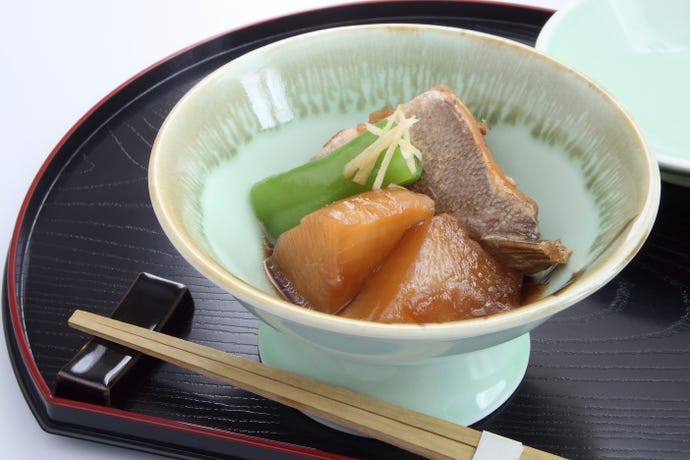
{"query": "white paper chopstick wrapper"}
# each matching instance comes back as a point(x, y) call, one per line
point(493, 447)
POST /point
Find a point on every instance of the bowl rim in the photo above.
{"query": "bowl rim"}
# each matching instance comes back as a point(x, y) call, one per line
point(638, 228)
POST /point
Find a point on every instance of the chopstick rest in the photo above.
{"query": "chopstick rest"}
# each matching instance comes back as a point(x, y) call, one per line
point(98, 370)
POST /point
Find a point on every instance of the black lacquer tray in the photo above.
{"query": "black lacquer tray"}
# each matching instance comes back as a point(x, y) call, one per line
point(608, 378)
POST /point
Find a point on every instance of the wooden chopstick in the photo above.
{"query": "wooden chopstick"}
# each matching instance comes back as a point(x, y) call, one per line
point(413, 431)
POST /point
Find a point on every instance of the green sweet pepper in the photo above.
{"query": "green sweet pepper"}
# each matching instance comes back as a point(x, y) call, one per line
point(280, 201)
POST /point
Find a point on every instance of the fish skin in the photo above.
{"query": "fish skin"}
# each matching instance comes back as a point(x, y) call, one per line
point(462, 177)
point(452, 144)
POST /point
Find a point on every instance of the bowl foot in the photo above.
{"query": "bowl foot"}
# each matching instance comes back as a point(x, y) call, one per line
point(462, 388)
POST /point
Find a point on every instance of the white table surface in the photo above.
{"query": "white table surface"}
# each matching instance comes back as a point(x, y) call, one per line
point(58, 59)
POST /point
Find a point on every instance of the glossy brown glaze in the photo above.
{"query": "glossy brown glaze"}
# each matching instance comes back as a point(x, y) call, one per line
point(437, 273)
point(329, 255)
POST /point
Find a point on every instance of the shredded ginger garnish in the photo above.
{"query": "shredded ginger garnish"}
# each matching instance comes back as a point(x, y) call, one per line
point(394, 134)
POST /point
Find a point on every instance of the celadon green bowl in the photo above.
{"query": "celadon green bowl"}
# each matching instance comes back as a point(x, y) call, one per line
point(564, 140)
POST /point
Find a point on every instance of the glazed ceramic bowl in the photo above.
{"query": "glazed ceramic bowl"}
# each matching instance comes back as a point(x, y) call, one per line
point(564, 140)
point(640, 52)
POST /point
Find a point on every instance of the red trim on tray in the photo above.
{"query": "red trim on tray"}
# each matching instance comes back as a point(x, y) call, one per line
point(195, 429)
point(27, 356)
point(13, 307)
point(20, 333)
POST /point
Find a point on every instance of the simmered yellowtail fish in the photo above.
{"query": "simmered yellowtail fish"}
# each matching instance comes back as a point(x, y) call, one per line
point(455, 245)
point(461, 175)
